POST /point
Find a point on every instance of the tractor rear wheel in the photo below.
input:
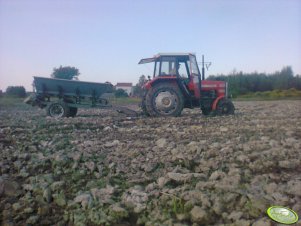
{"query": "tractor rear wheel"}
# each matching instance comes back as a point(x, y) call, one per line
point(164, 99)
point(225, 107)
point(58, 110)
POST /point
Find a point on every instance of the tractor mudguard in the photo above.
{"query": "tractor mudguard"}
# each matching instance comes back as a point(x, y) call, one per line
point(216, 101)
point(171, 79)
point(152, 83)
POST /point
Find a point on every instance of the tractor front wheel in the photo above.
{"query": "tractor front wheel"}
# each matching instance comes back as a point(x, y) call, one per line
point(164, 99)
point(225, 107)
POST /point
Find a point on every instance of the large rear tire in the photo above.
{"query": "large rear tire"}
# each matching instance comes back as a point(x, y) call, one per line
point(58, 110)
point(225, 107)
point(164, 99)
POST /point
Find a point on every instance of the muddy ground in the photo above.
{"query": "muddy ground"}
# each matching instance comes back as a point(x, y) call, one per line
point(104, 168)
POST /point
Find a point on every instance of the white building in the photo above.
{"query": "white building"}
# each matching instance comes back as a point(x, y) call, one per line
point(127, 87)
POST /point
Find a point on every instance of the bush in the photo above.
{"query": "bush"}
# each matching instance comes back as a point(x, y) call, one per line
point(274, 94)
point(17, 91)
point(120, 93)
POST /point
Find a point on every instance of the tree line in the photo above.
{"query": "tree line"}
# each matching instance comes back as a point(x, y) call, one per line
point(240, 83)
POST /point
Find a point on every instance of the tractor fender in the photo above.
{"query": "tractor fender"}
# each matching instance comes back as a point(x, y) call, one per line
point(157, 80)
point(216, 101)
point(170, 79)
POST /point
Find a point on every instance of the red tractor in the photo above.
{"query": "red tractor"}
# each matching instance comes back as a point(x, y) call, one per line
point(177, 84)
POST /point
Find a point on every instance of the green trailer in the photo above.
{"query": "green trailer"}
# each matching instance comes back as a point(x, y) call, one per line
point(62, 98)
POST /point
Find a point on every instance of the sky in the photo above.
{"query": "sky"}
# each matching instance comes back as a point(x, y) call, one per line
point(105, 39)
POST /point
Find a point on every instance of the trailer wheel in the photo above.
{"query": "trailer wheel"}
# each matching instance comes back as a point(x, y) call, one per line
point(225, 107)
point(58, 110)
point(164, 99)
point(72, 112)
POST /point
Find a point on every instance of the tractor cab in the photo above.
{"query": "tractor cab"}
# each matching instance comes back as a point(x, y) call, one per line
point(180, 67)
point(181, 64)
point(177, 84)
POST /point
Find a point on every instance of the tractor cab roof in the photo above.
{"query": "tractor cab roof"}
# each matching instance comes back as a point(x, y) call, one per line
point(157, 56)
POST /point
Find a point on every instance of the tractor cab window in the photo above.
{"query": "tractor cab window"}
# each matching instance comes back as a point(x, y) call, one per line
point(168, 66)
point(194, 65)
point(183, 69)
point(157, 69)
point(173, 66)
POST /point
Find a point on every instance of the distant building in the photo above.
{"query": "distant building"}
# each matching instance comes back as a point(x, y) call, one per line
point(127, 87)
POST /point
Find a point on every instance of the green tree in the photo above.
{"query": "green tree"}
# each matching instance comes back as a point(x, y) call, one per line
point(17, 91)
point(120, 93)
point(243, 83)
point(297, 82)
point(137, 90)
point(284, 78)
point(65, 73)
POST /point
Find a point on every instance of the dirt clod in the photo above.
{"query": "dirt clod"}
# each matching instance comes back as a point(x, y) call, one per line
point(103, 168)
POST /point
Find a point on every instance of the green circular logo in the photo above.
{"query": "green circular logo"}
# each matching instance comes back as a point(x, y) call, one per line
point(282, 215)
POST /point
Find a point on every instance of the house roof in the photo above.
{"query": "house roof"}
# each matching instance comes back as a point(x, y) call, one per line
point(126, 84)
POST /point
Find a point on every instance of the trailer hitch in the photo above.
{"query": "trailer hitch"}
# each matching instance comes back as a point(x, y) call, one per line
point(125, 110)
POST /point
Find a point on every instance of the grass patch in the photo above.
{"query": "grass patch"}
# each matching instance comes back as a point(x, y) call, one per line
point(177, 205)
point(11, 101)
point(120, 181)
point(125, 100)
point(291, 94)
